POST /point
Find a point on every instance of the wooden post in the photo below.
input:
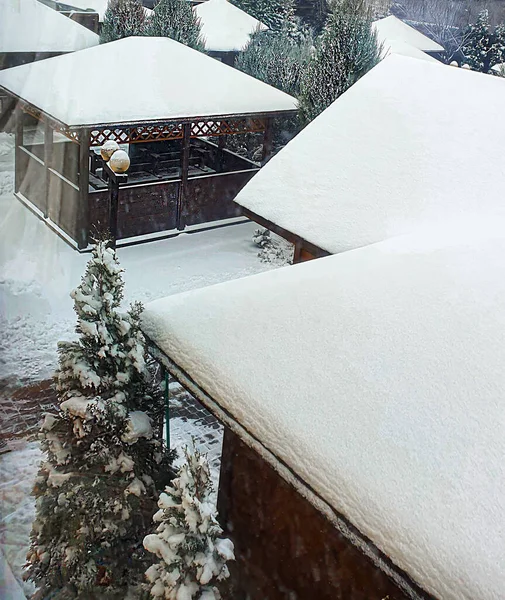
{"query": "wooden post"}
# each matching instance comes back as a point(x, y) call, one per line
point(48, 162)
point(267, 142)
point(18, 116)
point(186, 141)
point(221, 144)
point(82, 217)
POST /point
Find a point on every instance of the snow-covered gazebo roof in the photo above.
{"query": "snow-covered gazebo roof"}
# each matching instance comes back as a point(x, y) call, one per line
point(395, 47)
point(146, 79)
point(225, 27)
point(376, 377)
point(98, 6)
point(30, 26)
point(407, 145)
point(392, 29)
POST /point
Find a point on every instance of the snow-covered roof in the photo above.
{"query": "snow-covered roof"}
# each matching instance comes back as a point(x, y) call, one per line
point(407, 144)
point(30, 26)
point(396, 47)
point(225, 27)
point(75, 89)
point(377, 377)
point(98, 6)
point(393, 29)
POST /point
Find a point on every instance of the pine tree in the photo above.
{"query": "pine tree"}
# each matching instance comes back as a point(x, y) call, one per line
point(177, 20)
point(277, 58)
point(345, 51)
point(123, 18)
point(484, 48)
point(104, 463)
point(192, 555)
point(272, 13)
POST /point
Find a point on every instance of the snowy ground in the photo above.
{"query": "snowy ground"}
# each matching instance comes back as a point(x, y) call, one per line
point(37, 272)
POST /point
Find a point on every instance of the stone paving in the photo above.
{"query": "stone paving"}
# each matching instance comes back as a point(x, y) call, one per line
point(22, 408)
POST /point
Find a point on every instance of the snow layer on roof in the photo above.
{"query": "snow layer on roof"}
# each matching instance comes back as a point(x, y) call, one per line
point(395, 47)
point(29, 26)
point(393, 29)
point(98, 6)
point(377, 377)
point(226, 27)
point(406, 145)
point(154, 78)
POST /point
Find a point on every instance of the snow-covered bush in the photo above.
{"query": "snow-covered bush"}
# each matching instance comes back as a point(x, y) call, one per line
point(344, 52)
point(105, 465)
point(123, 18)
point(192, 555)
point(177, 20)
point(273, 249)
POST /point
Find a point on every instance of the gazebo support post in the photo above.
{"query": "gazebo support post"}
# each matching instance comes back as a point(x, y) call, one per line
point(221, 144)
point(18, 116)
point(268, 138)
point(82, 225)
point(186, 141)
point(48, 162)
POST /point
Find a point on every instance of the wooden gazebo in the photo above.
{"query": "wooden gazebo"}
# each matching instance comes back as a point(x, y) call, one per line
point(172, 105)
point(393, 153)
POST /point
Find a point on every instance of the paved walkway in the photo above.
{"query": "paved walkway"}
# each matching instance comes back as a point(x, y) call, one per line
point(22, 409)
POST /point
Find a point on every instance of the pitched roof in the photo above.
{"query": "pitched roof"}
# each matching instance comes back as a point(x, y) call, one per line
point(226, 27)
point(29, 26)
point(98, 6)
point(395, 47)
point(140, 79)
point(407, 144)
point(393, 29)
point(377, 377)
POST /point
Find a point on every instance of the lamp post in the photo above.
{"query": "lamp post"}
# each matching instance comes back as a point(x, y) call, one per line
point(115, 165)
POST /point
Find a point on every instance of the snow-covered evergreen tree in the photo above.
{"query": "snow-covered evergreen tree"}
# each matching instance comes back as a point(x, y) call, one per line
point(192, 555)
point(104, 463)
point(277, 58)
point(272, 13)
point(344, 52)
point(123, 18)
point(483, 47)
point(176, 19)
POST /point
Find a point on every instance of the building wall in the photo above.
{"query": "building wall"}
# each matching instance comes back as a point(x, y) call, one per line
point(285, 548)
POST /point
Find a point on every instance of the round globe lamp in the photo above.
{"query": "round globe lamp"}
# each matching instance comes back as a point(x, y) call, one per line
point(119, 161)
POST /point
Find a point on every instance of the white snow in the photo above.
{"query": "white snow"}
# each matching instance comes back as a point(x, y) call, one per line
point(398, 47)
point(376, 376)
point(30, 26)
point(226, 27)
point(393, 153)
point(499, 69)
point(139, 425)
point(65, 86)
point(393, 29)
point(18, 470)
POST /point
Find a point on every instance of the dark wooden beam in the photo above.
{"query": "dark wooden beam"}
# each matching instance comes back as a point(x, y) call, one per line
point(18, 143)
point(48, 161)
point(186, 141)
point(82, 218)
point(268, 139)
